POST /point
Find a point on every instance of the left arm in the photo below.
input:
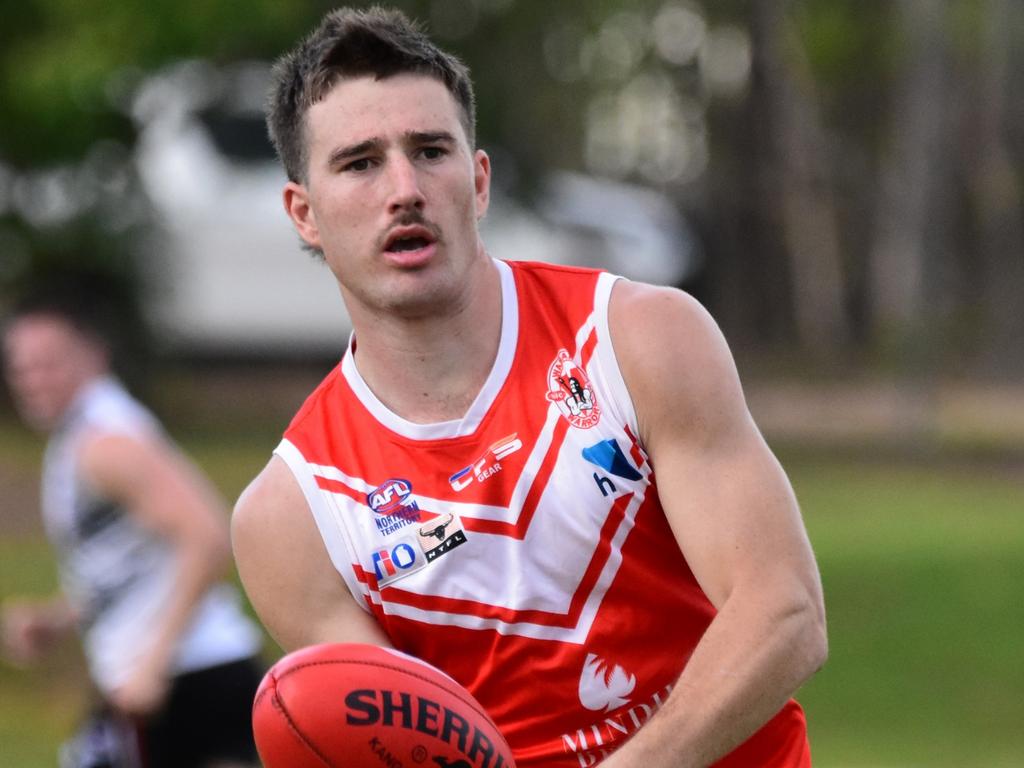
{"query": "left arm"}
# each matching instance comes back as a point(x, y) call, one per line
point(168, 494)
point(736, 519)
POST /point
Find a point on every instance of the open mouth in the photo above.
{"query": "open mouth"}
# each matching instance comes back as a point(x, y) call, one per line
point(403, 244)
point(407, 239)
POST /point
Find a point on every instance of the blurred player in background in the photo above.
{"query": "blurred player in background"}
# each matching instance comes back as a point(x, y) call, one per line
point(475, 485)
point(142, 545)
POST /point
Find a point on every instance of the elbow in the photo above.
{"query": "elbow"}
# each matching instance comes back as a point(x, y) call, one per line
point(813, 637)
point(801, 634)
point(220, 552)
point(212, 544)
point(220, 556)
point(818, 650)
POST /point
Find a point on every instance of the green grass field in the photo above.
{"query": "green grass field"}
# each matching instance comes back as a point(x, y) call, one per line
point(921, 566)
point(922, 574)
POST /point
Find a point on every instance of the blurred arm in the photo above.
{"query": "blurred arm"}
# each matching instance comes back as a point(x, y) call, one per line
point(736, 519)
point(166, 493)
point(30, 628)
point(287, 573)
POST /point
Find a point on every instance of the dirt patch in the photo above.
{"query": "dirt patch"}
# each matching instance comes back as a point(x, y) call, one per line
point(885, 412)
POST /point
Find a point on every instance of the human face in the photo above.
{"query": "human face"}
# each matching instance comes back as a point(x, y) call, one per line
point(393, 195)
point(46, 363)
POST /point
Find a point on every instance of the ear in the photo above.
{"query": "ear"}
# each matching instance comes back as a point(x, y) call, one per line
point(482, 182)
point(296, 205)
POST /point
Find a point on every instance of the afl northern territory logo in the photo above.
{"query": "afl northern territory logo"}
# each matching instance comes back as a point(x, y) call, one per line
point(393, 505)
point(569, 389)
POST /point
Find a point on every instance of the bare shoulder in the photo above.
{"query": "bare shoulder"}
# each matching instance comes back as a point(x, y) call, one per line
point(674, 359)
point(286, 570)
point(272, 528)
point(273, 496)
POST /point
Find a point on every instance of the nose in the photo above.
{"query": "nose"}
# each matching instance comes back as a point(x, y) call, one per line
point(405, 193)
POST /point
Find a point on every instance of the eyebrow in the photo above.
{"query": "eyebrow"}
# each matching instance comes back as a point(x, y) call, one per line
point(430, 137)
point(341, 154)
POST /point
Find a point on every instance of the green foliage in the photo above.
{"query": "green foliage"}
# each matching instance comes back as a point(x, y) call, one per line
point(58, 57)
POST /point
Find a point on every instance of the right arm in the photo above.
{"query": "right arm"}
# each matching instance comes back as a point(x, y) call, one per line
point(286, 571)
point(31, 627)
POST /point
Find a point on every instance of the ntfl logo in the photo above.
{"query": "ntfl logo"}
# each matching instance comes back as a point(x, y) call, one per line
point(440, 536)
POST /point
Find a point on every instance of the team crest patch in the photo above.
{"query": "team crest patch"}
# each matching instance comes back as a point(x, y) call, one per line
point(393, 506)
point(440, 536)
point(570, 389)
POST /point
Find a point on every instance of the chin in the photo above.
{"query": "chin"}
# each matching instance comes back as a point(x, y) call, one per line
point(421, 294)
point(37, 418)
point(39, 423)
point(420, 305)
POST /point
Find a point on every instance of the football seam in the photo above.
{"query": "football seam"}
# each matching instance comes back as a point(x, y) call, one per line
point(279, 705)
point(424, 678)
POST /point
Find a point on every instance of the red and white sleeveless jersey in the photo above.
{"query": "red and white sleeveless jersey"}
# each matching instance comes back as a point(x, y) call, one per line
point(523, 549)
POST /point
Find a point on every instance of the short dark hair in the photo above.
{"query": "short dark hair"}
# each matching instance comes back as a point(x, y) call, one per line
point(353, 43)
point(91, 319)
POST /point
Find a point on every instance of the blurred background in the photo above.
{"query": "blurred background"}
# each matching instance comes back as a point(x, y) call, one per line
point(839, 181)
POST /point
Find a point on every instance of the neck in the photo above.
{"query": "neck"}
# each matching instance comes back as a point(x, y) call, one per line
point(430, 369)
point(55, 421)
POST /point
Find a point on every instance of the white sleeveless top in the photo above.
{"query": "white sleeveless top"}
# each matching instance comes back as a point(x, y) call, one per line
point(116, 573)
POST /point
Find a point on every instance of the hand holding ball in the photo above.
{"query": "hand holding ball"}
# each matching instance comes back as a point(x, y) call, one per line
point(350, 705)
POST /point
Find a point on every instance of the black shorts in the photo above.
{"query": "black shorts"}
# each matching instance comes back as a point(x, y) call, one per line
point(207, 716)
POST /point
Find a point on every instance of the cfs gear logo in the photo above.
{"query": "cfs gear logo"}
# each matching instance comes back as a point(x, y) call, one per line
point(604, 689)
point(394, 561)
point(488, 464)
point(569, 388)
point(441, 536)
point(394, 506)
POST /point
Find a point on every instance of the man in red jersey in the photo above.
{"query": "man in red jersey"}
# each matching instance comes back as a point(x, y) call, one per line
point(671, 617)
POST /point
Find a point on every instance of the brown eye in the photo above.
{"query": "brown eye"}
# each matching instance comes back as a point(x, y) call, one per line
point(362, 164)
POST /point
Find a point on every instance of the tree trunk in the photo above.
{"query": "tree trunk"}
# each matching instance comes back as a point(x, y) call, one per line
point(900, 258)
point(997, 192)
point(797, 183)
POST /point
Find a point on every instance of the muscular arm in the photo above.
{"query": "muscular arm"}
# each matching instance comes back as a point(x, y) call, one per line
point(166, 493)
point(736, 519)
point(286, 571)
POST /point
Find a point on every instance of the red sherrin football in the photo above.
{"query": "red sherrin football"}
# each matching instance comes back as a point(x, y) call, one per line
point(348, 705)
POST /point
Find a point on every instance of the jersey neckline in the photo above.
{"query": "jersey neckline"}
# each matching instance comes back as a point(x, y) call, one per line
point(468, 424)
